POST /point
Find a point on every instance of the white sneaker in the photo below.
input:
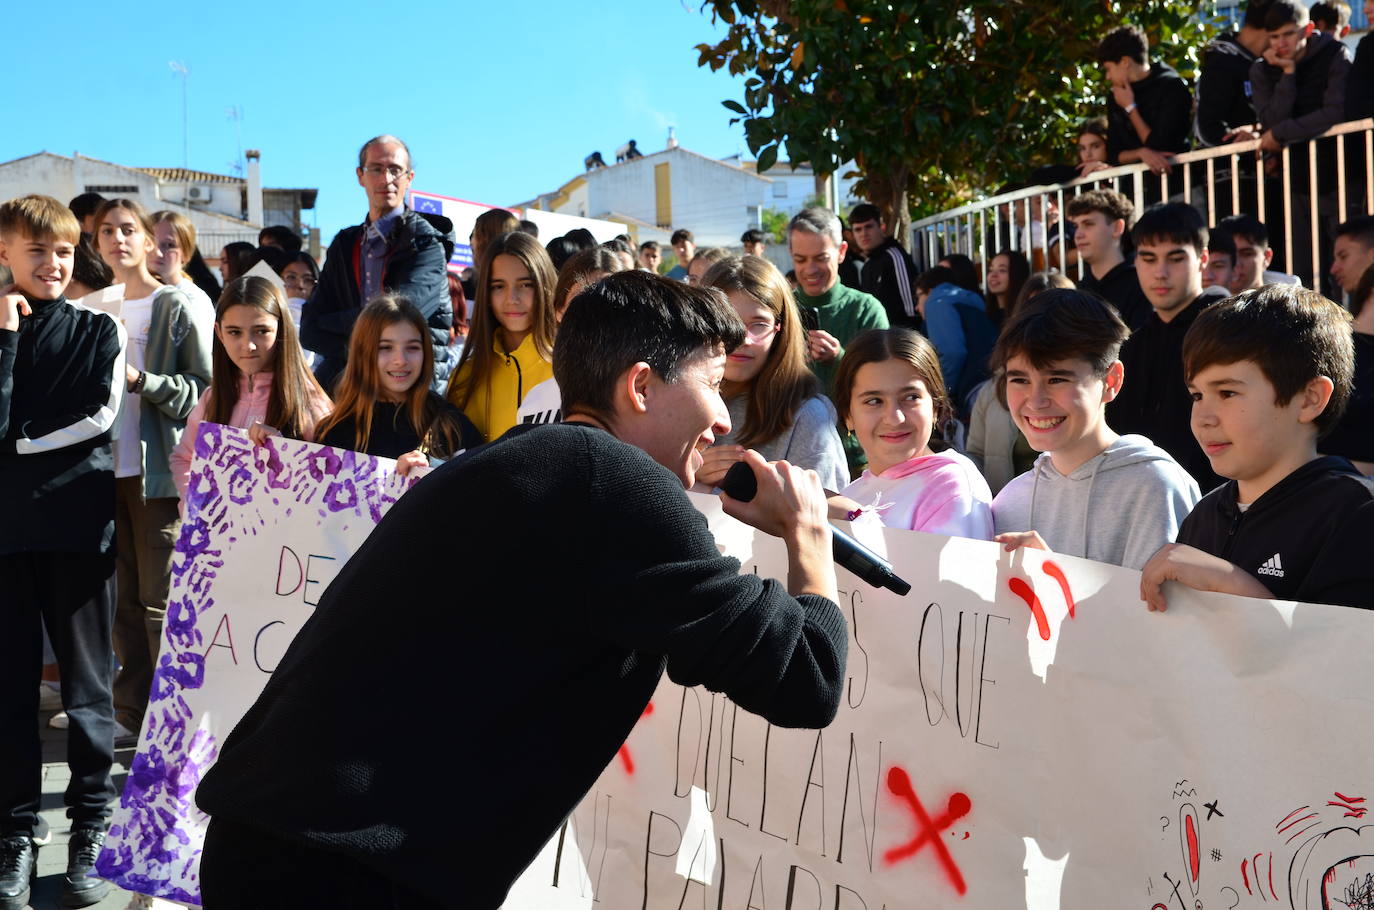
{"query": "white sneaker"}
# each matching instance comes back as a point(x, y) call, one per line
point(58, 721)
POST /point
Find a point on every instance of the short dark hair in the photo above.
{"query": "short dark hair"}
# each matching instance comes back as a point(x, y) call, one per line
point(1254, 13)
point(865, 211)
point(630, 317)
point(1061, 324)
point(84, 205)
point(1175, 221)
point(649, 245)
point(1247, 226)
point(935, 276)
point(753, 235)
point(286, 238)
point(1109, 202)
point(529, 227)
point(1359, 229)
point(1291, 333)
point(1220, 240)
point(1331, 14)
point(1126, 41)
point(1284, 12)
point(681, 234)
point(560, 250)
point(617, 244)
point(965, 272)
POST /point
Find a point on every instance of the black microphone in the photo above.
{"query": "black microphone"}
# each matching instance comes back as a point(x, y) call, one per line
point(741, 484)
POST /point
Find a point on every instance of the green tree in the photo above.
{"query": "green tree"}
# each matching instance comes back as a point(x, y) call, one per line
point(933, 100)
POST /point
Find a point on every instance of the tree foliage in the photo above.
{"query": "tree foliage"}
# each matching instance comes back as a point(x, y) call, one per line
point(934, 100)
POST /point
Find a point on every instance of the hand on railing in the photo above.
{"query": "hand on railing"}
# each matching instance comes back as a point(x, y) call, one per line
point(1242, 134)
point(1158, 162)
point(1087, 167)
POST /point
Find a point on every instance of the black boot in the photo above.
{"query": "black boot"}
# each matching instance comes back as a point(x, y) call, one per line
point(81, 888)
point(18, 859)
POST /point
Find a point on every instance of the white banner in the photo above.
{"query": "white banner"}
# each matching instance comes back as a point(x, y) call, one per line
point(1016, 732)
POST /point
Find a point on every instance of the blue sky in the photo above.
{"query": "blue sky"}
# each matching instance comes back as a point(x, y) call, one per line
point(499, 101)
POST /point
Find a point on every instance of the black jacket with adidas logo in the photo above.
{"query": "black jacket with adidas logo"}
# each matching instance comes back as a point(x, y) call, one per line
point(1306, 539)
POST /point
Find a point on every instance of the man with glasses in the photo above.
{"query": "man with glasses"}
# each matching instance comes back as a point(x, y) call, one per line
point(395, 249)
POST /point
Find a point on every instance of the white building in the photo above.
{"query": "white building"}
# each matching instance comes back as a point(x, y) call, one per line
point(717, 200)
point(223, 208)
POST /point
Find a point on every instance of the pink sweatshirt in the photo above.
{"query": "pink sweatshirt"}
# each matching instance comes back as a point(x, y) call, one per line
point(941, 493)
point(251, 406)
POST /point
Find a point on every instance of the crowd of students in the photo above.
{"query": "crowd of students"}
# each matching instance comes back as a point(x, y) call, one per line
point(1181, 409)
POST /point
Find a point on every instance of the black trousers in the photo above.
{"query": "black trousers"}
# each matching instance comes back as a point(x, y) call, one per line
point(242, 868)
point(72, 595)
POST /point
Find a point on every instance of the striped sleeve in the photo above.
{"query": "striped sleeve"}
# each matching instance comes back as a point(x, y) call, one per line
point(903, 278)
point(104, 381)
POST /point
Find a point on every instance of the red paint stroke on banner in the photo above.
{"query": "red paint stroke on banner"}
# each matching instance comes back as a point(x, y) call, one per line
point(1022, 590)
point(899, 782)
point(1192, 851)
point(1245, 876)
point(626, 758)
point(1053, 571)
point(1297, 821)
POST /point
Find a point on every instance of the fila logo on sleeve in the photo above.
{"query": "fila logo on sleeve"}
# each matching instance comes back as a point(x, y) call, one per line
point(1272, 566)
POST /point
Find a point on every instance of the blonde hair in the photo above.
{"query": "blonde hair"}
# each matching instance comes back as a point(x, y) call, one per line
point(39, 218)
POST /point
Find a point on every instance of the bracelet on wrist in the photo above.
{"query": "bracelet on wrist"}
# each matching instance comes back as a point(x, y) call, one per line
point(1130, 108)
point(137, 385)
point(853, 513)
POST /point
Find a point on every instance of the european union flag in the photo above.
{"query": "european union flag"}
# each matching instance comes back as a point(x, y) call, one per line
point(427, 206)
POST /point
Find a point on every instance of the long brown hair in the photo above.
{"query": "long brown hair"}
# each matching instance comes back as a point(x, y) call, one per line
point(293, 385)
point(785, 382)
point(361, 384)
point(478, 348)
point(878, 345)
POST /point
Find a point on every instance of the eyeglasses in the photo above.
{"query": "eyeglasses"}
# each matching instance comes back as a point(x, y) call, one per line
point(392, 172)
point(303, 281)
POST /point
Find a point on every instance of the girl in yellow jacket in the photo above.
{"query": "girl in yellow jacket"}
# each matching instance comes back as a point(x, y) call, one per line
point(510, 346)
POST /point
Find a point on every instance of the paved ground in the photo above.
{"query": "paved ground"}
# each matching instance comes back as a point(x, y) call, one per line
point(52, 859)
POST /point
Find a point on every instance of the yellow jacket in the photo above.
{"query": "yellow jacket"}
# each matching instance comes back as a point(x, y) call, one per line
point(493, 406)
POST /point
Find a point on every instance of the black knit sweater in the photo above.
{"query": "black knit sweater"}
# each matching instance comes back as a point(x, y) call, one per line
point(439, 724)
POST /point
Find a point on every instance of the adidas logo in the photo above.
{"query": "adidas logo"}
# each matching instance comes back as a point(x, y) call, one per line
point(1272, 566)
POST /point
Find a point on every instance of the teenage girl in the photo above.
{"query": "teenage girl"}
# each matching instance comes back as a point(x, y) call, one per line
point(176, 244)
point(775, 401)
point(510, 347)
point(544, 402)
point(383, 405)
point(261, 382)
point(1007, 271)
point(891, 396)
point(168, 367)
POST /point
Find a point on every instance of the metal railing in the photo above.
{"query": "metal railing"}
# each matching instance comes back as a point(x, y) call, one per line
point(1206, 178)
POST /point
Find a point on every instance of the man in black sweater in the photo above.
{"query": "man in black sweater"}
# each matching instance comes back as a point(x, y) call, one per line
point(593, 573)
point(1171, 249)
point(1101, 219)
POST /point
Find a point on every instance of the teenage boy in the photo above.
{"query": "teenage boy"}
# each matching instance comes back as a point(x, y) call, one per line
point(685, 246)
point(754, 242)
point(1221, 264)
point(1058, 359)
point(1171, 251)
point(888, 272)
point(1225, 112)
point(1250, 264)
point(1354, 252)
point(1331, 17)
point(1100, 220)
point(1149, 107)
point(61, 382)
point(650, 256)
point(1299, 81)
point(1270, 371)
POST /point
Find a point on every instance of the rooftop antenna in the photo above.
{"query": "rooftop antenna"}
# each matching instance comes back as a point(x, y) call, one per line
point(235, 114)
point(182, 71)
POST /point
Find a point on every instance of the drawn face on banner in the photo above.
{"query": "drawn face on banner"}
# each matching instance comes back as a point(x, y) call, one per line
point(760, 330)
point(400, 355)
point(249, 336)
point(512, 299)
point(891, 412)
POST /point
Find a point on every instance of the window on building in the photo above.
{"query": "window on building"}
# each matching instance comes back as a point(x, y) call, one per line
point(102, 188)
point(779, 189)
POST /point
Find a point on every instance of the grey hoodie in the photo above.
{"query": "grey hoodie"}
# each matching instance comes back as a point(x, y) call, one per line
point(1118, 508)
